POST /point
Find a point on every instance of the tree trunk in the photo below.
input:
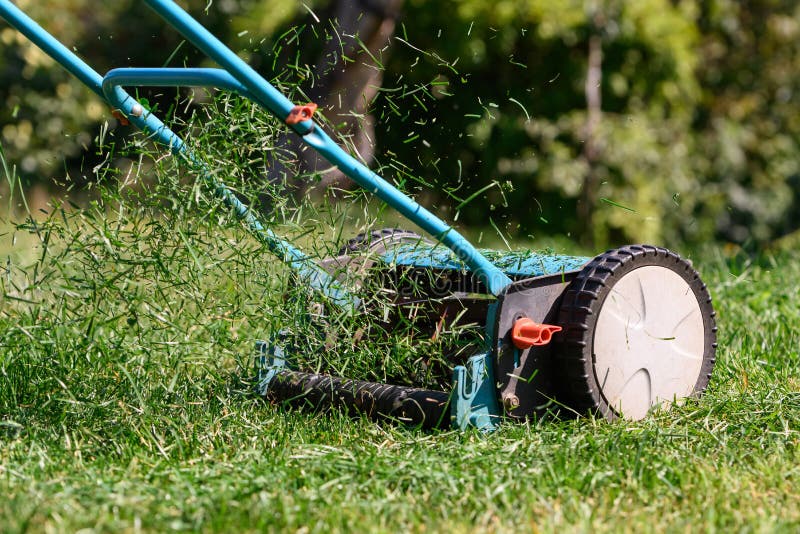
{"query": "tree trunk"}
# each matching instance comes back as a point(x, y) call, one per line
point(592, 146)
point(345, 88)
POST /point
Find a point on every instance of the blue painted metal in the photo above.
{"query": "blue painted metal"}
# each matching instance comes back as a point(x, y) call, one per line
point(522, 263)
point(266, 95)
point(242, 78)
point(474, 399)
point(493, 277)
point(310, 272)
point(170, 77)
point(270, 359)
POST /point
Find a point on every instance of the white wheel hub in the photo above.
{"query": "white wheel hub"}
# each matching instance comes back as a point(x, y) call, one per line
point(649, 341)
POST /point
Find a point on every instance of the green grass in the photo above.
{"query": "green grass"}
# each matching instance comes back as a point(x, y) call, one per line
point(125, 404)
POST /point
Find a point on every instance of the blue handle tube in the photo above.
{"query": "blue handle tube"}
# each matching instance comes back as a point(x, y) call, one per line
point(242, 78)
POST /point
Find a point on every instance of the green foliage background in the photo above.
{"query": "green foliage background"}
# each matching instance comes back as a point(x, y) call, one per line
point(698, 137)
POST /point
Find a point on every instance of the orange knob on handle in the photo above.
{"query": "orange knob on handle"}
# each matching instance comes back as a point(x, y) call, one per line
point(527, 333)
point(301, 113)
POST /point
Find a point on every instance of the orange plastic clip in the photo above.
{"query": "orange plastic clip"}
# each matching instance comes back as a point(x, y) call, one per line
point(301, 113)
point(117, 114)
point(527, 333)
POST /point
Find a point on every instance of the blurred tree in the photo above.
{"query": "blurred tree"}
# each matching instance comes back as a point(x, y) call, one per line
point(748, 123)
point(518, 88)
point(594, 110)
point(343, 65)
point(349, 73)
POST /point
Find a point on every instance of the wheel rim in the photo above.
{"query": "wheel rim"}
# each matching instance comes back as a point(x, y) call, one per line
point(649, 341)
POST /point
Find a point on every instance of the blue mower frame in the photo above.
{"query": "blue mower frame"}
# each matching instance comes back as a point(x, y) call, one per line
point(537, 298)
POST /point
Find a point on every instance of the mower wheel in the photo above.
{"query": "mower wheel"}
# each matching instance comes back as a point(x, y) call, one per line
point(639, 333)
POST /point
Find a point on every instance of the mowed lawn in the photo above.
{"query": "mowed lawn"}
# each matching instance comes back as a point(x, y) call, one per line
point(126, 405)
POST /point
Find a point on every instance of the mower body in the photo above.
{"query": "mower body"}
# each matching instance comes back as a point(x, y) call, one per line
point(617, 335)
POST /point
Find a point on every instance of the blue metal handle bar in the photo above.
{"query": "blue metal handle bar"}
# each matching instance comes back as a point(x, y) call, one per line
point(173, 77)
point(311, 273)
point(265, 94)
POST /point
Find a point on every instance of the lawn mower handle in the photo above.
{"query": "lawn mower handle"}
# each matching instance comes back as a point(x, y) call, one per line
point(281, 107)
point(239, 76)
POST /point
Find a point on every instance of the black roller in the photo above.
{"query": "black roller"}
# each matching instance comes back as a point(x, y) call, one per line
point(411, 406)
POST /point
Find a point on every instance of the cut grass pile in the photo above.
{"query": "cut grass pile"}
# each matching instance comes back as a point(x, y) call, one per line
point(126, 404)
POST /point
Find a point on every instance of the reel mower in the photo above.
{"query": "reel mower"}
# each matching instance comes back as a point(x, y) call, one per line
point(617, 335)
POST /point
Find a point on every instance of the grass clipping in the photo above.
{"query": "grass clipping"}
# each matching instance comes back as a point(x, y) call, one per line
point(155, 277)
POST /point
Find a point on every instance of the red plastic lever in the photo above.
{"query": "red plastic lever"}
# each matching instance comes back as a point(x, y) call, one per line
point(301, 113)
point(527, 333)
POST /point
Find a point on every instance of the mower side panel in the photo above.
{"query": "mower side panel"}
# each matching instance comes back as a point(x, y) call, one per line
point(525, 378)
